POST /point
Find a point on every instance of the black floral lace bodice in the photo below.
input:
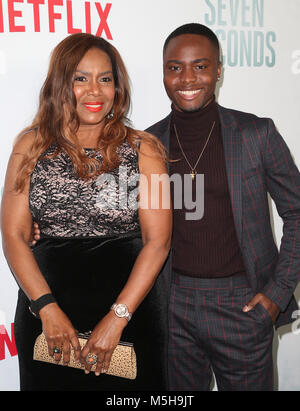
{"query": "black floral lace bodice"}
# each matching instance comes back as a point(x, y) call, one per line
point(65, 205)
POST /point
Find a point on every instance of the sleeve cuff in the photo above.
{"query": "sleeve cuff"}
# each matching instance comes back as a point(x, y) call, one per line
point(278, 295)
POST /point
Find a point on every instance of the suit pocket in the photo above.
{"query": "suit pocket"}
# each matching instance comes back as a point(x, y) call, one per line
point(261, 315)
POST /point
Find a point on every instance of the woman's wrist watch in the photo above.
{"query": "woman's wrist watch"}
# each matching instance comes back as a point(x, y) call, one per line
point(121, 311)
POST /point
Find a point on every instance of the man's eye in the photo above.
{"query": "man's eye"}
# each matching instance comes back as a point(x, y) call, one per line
point(174, 68)
point(200, 67)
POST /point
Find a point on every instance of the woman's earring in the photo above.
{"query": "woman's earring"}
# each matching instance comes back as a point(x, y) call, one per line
point(110, 115)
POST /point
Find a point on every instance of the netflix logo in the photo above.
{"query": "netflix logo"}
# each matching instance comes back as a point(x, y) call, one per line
point(7, 341)
point(17, 16)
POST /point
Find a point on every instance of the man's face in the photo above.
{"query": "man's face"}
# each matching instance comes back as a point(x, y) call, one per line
point(191, 70)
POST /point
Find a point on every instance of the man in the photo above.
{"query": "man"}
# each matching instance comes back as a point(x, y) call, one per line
point(229, 284)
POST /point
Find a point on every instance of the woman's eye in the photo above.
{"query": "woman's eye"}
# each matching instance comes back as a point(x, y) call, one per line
point(80, 78)
point(106, 79)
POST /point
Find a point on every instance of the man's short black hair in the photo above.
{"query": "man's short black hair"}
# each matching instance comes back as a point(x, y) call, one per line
point(194, 28)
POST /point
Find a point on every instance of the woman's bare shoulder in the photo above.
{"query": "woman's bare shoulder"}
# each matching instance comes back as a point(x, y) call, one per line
point(23, 142)
point(149, 144)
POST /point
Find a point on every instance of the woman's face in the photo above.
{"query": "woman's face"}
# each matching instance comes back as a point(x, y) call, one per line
point(94, 88)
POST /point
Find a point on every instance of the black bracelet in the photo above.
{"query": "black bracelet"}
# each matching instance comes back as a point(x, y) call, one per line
point(36, 306)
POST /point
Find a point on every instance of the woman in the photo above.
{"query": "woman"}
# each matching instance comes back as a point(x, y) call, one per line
point(90, 255)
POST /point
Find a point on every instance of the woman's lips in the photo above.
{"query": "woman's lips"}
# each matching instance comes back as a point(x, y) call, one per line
point(94, 107)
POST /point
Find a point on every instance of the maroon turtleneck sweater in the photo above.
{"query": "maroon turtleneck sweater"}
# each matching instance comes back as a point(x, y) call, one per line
point(206, 248)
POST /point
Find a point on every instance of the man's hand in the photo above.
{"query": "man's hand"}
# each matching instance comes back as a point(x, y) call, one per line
point(35, 234)
point(265, 301)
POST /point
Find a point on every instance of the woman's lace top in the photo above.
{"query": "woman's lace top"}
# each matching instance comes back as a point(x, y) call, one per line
point(65, 205)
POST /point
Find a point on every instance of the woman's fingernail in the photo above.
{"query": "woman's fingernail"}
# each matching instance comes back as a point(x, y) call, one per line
point(97, 374)
point(86, 371)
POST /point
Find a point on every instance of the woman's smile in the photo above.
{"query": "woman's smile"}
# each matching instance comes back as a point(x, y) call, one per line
point(94, 107)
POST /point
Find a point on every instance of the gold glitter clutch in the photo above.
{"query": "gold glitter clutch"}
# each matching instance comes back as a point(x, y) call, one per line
point(122, 364)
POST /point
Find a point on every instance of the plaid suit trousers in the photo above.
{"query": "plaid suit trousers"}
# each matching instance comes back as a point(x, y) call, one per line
point(210, 332)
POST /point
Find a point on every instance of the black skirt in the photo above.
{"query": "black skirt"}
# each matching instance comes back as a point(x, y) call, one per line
point(86, 276)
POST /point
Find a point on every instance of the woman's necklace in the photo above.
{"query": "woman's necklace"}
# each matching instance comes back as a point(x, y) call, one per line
point(193, 169)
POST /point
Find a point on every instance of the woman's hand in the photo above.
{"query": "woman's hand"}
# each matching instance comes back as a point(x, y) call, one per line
point(103, 341)
point(59, 333)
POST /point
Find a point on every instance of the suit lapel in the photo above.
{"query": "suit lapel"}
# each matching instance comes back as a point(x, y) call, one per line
point(232, 143)
point(165, 136)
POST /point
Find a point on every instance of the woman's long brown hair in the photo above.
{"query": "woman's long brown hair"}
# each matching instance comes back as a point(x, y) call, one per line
point(57, 121)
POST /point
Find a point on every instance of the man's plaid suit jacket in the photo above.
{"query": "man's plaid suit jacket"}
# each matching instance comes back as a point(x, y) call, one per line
point(259, 162)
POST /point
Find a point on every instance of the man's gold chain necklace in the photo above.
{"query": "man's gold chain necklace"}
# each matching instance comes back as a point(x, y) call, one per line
point(193, 170)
